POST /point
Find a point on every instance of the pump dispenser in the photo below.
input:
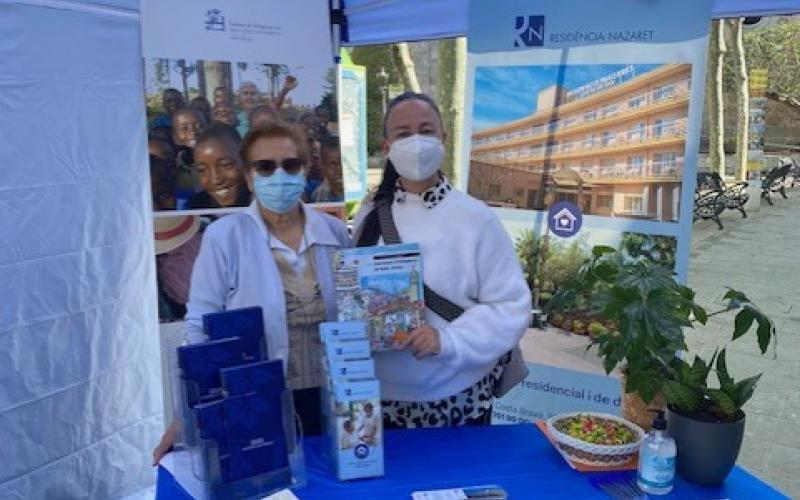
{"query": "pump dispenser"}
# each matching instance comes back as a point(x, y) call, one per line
point(657, 458)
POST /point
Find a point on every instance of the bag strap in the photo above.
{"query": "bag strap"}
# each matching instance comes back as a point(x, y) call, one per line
point(435, 302)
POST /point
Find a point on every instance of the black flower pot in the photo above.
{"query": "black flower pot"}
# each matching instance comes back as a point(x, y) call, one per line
point(707, 451)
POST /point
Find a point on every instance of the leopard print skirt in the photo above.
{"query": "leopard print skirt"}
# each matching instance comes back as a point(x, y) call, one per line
point(469, 404)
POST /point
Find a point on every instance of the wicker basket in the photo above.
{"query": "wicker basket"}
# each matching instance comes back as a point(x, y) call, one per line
point(635, 410)
point(595, 454)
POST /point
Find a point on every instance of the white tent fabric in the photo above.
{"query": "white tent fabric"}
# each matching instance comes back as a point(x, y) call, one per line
point(80, 399)
point(80, 385)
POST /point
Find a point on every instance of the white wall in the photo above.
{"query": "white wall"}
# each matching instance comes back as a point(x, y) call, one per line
point(80, 396)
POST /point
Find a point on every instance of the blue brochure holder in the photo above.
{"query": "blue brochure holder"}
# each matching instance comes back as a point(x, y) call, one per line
point(238, 415)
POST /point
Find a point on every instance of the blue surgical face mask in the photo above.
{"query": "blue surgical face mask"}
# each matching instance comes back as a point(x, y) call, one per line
point(280, 191)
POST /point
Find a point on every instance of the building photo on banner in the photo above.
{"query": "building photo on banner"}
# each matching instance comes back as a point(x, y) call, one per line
point(582, 131)
point(208, 81)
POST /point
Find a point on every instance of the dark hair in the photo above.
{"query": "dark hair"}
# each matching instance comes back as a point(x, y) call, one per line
point(200, 103)
point(163, 134)
point(330, 143)
point(219, 130)
point(162, 170)
point(277, 130)
point(189, 109)
point(164, 143)
point(263, 108)
point(390, 175)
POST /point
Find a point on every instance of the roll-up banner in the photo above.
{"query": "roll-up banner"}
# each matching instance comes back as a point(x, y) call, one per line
point(214, 71)
point(583, 127)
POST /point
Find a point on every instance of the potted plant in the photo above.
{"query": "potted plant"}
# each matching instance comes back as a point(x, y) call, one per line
point(707, 421)
point(650, 309)
point(647, 311)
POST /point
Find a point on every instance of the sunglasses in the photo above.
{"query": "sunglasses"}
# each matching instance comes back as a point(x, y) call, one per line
point(267, 167)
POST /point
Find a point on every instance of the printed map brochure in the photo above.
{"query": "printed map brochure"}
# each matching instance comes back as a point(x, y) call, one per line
point(381, 286)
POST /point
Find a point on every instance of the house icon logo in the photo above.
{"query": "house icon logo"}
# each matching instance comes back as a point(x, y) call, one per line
point(564, 219)
point(215, 20)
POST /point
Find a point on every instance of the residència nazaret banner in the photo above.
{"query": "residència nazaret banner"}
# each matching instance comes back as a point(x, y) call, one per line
point(583, 128)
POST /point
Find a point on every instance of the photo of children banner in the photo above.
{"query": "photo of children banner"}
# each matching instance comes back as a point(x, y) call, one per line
point(608, 138)
point(199, 111)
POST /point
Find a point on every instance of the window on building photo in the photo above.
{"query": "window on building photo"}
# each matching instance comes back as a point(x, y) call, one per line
point(589, 116)
point(607, 166)
point(532, 198)
point(665, 92)
point(632, 204)
point(635, 164)
point(659, 127)
point(607, 138)
point(665, 163)
point(610, 111)
point(604, 201)
point(636, 132)
point(664, 127)
point(638, 101)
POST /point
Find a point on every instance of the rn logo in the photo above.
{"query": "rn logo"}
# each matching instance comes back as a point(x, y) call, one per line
point(530, 31)
point(361, 451)
point(215, 21)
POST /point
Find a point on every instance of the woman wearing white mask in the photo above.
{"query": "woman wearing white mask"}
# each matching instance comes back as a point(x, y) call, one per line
point(477, 302)
point(276, 254)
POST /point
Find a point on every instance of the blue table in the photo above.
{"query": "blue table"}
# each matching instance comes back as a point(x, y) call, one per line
point(517, 457)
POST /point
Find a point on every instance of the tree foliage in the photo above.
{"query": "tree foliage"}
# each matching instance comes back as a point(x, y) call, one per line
point(777, 48)
point(375, 57)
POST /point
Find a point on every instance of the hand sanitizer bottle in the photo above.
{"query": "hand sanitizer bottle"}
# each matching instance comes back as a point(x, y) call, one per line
point(657, 459)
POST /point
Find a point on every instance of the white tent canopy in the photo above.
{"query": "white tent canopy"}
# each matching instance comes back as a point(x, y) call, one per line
point(80, 391)
point(384, 21)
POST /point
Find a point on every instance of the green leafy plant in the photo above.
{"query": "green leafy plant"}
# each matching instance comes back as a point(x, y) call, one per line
point(651, 309)
point(528, 247)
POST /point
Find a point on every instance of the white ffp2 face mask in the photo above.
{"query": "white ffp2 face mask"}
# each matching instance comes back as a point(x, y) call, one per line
point(417, 157)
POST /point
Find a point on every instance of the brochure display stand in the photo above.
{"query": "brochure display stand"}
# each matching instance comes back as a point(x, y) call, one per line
point(237, 414)
point(351, 409)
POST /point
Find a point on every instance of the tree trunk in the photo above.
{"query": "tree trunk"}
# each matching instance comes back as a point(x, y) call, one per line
point(214, 77)
point(452, 56)
point(458, 108)
point(743, 101)
point(406, 66)
point(716, 107)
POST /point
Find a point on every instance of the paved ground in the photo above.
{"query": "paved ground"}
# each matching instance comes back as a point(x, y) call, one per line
point(760, 256)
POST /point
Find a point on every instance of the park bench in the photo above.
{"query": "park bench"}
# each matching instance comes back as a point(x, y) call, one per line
point(774, 181)
point(713, 196)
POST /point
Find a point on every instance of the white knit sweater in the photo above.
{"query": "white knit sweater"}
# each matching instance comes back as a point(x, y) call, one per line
point(468, 258)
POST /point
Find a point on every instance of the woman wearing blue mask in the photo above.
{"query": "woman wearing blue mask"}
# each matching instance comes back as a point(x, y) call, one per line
point(276, 254)
point(477, 302)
